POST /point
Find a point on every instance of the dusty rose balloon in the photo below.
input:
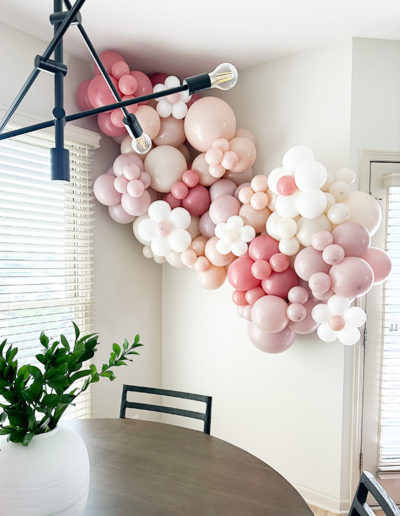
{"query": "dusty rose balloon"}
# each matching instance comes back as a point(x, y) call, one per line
point(165, 164)
point(321, 239)
point(81, 96)
point(157, 78)
point(240, 276)
point(199, 164)
point(99, 93)
point(144, 86)
point(224, 207)
point(261, 269)
point(179, 190)
point(118, 214)
point(323, 296)
point(246, 153)
point(319, 282)
point(279, 283)
point(245, 133)
point(208, 119)
point(263, 247)
point(171, 132)
point(254, 294)
point(239, 177)
point(296, 312)
point(149, 120)
point(255, 218)
point(351, 278)
point(353, 237)
point(309, 261)
point(222, 187)
point(104, 190)
point(206, 225)
point(191, 178)
point(333, 254)
point(107, 127)
point(239, 297)
point(171, 200)
point(365, 210)
point(271, 342)
point(380, 263)
point(269, 314)
point(136, 206)
point(108, 58)
point(197, 200)
point(216, 258)
point(279, 262)
point(213, 278)
point(307, 325)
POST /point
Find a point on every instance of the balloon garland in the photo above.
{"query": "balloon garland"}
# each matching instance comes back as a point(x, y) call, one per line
point(294, 245)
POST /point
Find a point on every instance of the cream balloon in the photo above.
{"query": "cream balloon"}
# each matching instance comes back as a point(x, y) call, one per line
point(149, 120)
point(165, 164)
point(307, 227)
point(171, 132)
point(365, 210)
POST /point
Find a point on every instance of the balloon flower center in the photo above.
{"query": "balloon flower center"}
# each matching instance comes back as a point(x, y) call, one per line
point(286, 185)
point(336, 323)
point(163, 228)
point(174, 98)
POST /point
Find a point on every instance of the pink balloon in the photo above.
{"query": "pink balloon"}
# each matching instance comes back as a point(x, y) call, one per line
point(123, 160)
point(131, 172)
point(319, 282)
point(202, 264)
point(245, 312)
point(144, 86)
point(269, 314)
point(157, 78)
point(261, 269)
point(104, 190)
point(351, 278)
point(171, 200)
point(171, 133)
point(333, 254)
point(240, 276)
point(127, 84)
point(224, 207)
point(179, 190)
point(239, 297)
point(197, 201)
point(135, 188)
point(271, 342)
point(255, 218)
point(118, 214)
point(245, 151)
point(296, 312)
point(308, 261)
point(321, 239)
point(354, 238)
point(222, 187)
point(279, 283)
point(188, 257)
point(286, 185)
point(206, 225)
point(108, 58)
point(307, 325)
point(240, 188)
point(263, 247)
point(119, 68)
point(323, 296)
point(379, 262)
point(191, 178)
point(279, 262)
point(215, 257)
point(254, 294)
point(107, 127)
point(136, 206)
point(99, 94)
point(120, 184)
point(298, 295)
point(81, 96)
point(201, 166)
point(212, 278)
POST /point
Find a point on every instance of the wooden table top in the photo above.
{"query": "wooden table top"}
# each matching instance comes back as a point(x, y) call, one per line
point(141, 468)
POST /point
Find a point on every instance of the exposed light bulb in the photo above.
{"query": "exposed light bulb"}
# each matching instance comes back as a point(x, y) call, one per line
point(141, 144)
point(224, 77)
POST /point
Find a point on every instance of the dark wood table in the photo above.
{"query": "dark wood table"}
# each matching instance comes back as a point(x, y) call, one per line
point(141, 468)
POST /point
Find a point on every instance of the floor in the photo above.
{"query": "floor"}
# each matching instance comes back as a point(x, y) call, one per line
point(321, 512)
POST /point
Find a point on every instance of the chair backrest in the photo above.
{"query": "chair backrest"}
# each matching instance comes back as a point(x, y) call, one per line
point(368, 484)
point(206, 416)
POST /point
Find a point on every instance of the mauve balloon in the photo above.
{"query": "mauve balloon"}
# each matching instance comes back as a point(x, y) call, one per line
point(353, 237)
point(279, 283)
point(308, 262)
point(380, 263)
point(351, 278)
point(271, 342)
point(269, 314)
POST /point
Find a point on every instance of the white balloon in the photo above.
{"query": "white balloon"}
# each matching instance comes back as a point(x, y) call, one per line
point(325, 333)
point(355, 316)
point(180, 218)
point(147, 252)
point(159, 259)
point(347, 175)
point(164, 108)
point(146, 230)
point(179, 110)
point(159, 210)
point(338, 305)
point(295, 156)
point(311, 204)
point(160, 246)
point(235, 222)
point(272, 225)
point(330, 201)
point(179, 240)
point(174, 259)
point(223, 247)
point(349, 335)
point(307, 227)
point(340, 190)
point(338, 213)
point(287, 228)
point(159, 87)
point(289, 246)
point(172, 82)
point(330, 179)
point(286, 205)
point(320, 313)
point(135, 227)
point(247, 233)
point(221, 230)
point(310, 175)
point(239, 248)
point(274, 177)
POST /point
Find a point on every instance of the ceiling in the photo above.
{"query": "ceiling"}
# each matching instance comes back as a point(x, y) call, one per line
point(184, 37)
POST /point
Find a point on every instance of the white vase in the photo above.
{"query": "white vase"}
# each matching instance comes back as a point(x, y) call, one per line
point(49, 477)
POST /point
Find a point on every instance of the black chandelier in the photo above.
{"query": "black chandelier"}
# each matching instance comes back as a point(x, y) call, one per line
point(223, 77)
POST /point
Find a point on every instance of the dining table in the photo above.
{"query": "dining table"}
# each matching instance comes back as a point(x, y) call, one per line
point(144, 468)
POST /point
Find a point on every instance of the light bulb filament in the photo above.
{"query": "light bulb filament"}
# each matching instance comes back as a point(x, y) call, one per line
point(219, 78)
point(142, 142)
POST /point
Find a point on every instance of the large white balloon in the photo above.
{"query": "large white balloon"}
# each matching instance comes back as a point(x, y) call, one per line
point(165, 164)
point(365, 210)
point(310, 175)
point(286, 205)
point(295, 156)
point(307, 227)
point(311, 204)
point(274, 177)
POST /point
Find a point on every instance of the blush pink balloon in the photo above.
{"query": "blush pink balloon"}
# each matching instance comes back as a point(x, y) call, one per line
point(255, 218)
point(271, 342)
point(99, 93)
point(157, 78)
point(239, 297)
point(286, 186)
point(120, 184)
point(261, 269)
point(104, 190)
point(254, 294)
point(333, 254)
point(200, 165)
point(279, 283)
point(215, 257)
point(263, 247)
point(202, 264)
point(118, 214)
point(269, 314)
point(351, 278)
point(246, 152)
point(319, 282)
point(171, 133)
point(323, 296)
point(298, 295)
point(131, 172)
point(108, 58)
point(309, 261)
point(379, 262)
point(107, 127)
point(244, 312)
point(135, 188)
point(353, 237)
point(296, 312)
point(321, 239)
point(212, 278)
point(222, 187)
point(123, 160)
point(127, 84)
point(199, 245)
point(279, 262)
point(197, 201)
point(224, 207)
point(171, 200)
point(307, 325)
point(188, 257)
point(144, 86)
point(81, 96)
point(136, 206)
point(240, 276)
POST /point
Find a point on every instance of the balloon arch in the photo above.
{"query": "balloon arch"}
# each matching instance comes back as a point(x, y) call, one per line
point(294, 245)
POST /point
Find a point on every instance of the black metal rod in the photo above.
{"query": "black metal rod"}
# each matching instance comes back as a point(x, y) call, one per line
point(58, 82)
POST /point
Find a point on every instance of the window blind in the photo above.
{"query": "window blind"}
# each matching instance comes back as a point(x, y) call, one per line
point(46, 276)
point(389, 414)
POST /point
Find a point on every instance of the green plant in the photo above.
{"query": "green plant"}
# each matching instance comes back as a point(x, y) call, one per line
point(33, 399)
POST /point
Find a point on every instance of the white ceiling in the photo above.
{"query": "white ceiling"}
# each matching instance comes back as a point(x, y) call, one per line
point(185, 37)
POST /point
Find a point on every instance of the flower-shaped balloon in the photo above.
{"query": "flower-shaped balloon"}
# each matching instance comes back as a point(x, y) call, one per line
point(174, 104)
point(165, 229)
point(338, 320)
point(220, 157)
point(233, 236)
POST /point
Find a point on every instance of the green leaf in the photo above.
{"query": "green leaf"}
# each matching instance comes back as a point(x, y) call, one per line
point(77, 332)
point(44, 340)
point(35, 372)
point(65, 342)
point(6, 430)
point(120, 362)
point(17, 436)
point(116, 348)
point(137, 339)
point(11, 352)
point(2, 346)
point(50, 400)
point(108, 374)
point(79, 374)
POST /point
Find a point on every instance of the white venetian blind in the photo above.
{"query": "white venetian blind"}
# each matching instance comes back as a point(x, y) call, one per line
point(389, 415)
point(45, 247)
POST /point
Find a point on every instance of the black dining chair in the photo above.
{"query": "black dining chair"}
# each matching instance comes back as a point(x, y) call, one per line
point(368, 484)
point(203, 416)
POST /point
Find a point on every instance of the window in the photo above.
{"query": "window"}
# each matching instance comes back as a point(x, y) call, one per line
point(45, 247)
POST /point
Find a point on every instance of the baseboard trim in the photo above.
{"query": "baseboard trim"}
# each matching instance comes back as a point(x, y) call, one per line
point(324, 501)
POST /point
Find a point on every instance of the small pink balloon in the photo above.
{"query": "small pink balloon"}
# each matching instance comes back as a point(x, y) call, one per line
point(245, 194)
point(321, 239)
point(298, 295)
point(191, 178)
point(188, 257)
point(157, 78)
point(261, 269)
point(254, 294)
point(108, 58)
point(179, 190)
point(279, 283)
point(269, 313)
point(203, 169)
point(119, 68)
point(121, 184)
point(240, 276)
point(104, 190)
point(127, 84)
point(239, 297)
point(263, 247)
point(81, 96)
point(224, 207)
point(199, 245)
point(336, 323)
point(259, 183)
point(279, 262)
point(118, 214)
point(222, 187)
point(214, 156)
point(202, 264)
point(133, 107)
point(173, 98)
point(333, 254)
point(271, 342)
point(259, 201)
point(206, 225)
point(171, 200)
point(245, 151)
point(117, 118)
point(221, 143)
point(135, 188)
point(230, 160)
point(145, 178)
point(131, 171)
point(129, 158)
point(107, 127)
point(239, 188)
point(307, 325)
point(286, 186)
point(197, 201)
point(308, 261)
point(323, 296)
point(354, 238)
point(136, 206)
point(319, 282)
point(379, 262)
point(296, 312)
point(351, 278)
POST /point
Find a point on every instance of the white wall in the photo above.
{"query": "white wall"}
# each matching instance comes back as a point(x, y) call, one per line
point(286, 409)
point(127, 286)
